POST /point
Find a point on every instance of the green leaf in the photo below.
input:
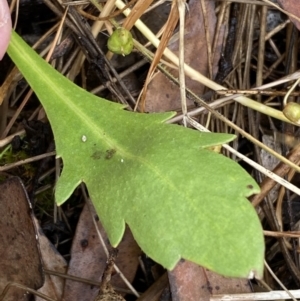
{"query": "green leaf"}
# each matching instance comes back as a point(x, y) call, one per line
point(179, 198)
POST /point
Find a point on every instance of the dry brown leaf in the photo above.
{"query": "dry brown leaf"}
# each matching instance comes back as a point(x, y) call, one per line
point(162, 95)
point(293, 7)
point(190, 282)
point(88, 259)
point(20, 260)
point(52, 260)
point(170, 26)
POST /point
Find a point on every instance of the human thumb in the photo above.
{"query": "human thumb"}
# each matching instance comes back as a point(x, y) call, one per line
point(5, 27)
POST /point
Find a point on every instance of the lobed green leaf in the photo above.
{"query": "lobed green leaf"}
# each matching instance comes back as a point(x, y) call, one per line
point(180, 199)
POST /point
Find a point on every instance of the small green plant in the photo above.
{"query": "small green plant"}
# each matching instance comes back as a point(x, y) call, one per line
point(292, 112)
point(120, 42)
point(179, 198)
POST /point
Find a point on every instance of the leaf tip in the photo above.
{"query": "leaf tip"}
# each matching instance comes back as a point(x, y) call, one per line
point(65, 186)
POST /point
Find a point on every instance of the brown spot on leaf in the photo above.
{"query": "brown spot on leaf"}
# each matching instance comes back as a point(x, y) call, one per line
point(109, 153)
point(97, 155)
point(84, 243)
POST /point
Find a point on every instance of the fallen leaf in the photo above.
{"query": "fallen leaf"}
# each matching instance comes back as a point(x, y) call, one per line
point(293, 7)
point(52, 260)
point(190, 282)
point(162, 94)
point(168, 31)
point(88, 259)
point(20, 260)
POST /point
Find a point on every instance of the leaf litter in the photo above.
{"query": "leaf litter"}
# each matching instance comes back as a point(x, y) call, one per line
point(238, 116)
point(20, 260)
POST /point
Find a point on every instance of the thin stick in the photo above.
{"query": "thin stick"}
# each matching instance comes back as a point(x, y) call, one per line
point(181, 10)
point(279, 282)
point(256, 91)
point(26, 289)
point(272, 295)
point(207, 37)
point(84, 280)
point(29, 160)
point(8, 139)
point(57, 36)
point(289, 92)
point(293, 234)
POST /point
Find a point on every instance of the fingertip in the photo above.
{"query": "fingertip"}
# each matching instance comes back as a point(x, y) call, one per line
point(5, 27)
